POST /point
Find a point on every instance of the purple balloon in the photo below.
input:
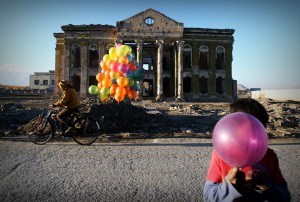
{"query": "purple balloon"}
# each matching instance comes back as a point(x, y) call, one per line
point(123, 68)
point(240, 139)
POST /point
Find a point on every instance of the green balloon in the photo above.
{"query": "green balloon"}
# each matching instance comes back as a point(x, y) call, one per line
point(93, 89)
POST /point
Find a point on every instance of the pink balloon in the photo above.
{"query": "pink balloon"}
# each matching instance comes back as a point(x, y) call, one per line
point(114, 66)
point(240, 139)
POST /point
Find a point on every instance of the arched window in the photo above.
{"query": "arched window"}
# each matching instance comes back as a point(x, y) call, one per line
point(93, 56)
point(187, 84)
point(220, 57)
point(203, 85)
point(203, 57)
point(75, 56)
point(187, 56)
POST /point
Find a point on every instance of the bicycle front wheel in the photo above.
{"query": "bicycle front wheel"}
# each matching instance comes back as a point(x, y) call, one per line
point(87, 130)
point(39, 131)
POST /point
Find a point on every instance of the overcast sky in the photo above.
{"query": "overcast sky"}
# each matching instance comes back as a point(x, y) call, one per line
point(265, 51)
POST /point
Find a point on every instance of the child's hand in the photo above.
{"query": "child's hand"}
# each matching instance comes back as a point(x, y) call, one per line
point(237, 179)
point(232, 175)
point(260, 180)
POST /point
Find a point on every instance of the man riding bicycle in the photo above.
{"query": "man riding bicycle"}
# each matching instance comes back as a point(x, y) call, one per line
point(70, 102)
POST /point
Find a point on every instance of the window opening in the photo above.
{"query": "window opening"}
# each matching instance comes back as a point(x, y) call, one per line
point(203, 85)
point(187, 56)
point(149, 21)
point(220, 58)
point(204, 57)
point(187, 81)
point(75, 56)
point(93, 56)
point(75, 82)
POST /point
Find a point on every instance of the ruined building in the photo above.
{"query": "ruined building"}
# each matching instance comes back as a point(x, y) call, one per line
point(191, 64)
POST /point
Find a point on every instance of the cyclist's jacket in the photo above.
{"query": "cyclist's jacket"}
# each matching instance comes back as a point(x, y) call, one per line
point(69, 98)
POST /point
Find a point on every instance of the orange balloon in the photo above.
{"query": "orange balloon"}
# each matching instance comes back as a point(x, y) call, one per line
point(106, 83)
point(113, 89)
point(100, 77)
point(123, 60)
point(120, 91)
point(119, 98)
point(108, 62)
point(132, 94)
point(127, 89)
point(122, 81)
point(100, 85)
point(106, 74)
point(103, 65)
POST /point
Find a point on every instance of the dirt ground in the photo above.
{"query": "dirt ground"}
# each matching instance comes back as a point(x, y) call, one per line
point(150, 118)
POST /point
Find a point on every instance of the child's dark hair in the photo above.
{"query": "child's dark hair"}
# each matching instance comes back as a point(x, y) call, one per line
point(252, 107)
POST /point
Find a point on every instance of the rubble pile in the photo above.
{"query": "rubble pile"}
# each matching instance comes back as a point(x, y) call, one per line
point(149, 118)
point(118, 117)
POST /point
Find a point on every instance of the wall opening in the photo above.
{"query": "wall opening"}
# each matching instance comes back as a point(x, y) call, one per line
point(75, 56)
point(75, 82)
point(93, 56)
point(220, 57)
point(187, 84)
point(203, 57)
point(203, 85)
point(187, 56)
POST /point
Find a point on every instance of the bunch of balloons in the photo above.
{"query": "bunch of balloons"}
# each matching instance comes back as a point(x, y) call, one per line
point(240, 139)
point(119, 75)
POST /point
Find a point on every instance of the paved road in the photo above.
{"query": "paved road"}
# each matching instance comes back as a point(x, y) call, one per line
point(157, 170)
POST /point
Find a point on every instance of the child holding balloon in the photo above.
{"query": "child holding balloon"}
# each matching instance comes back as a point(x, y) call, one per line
point(234, 177)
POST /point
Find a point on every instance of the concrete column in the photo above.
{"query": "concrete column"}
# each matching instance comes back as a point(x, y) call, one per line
point(139, 51)
point(101, 52)
point(139, 59)
point(175, 72)
point(59, 66)
point(180, 69)
point(66, 69)
point(84, 81)
point(159, 92)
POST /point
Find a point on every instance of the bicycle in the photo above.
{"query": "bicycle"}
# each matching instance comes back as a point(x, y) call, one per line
point(41, 129)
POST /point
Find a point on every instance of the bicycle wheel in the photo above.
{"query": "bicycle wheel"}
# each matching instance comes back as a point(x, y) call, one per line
point(39, 131)
point(87, 130)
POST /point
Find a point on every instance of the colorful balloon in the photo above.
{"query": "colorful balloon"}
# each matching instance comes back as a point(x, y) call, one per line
point(93, 89)
point(240, 139)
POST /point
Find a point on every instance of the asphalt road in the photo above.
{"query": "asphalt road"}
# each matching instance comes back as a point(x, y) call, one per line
point(155, 170)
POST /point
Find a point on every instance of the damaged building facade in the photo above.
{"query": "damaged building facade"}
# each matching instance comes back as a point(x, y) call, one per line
point(189, 64)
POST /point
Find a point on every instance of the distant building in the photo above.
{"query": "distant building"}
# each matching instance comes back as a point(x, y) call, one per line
point(192, 64)
point(42, 80)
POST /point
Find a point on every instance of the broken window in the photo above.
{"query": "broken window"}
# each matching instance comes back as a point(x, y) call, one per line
point(203, 57)
point(165, 63)
point(75, 56)
point(93, 80)
point(220, 85)
point(220, 57)
point(75, 82)
point(187, 84)
point(187, 56)
point(93, 56)
point(166, 86)
point(148, 88)
point(203, 85)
